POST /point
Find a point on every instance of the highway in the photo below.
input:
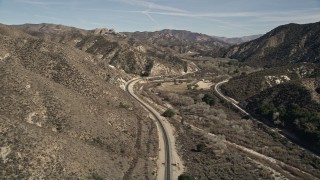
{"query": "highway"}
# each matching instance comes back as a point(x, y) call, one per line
point(157, 116)
point(168, 173)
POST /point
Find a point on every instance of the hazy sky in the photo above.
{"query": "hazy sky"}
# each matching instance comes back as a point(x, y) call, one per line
point(230, 18)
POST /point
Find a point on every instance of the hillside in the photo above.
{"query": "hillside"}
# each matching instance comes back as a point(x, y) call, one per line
point(246, 86)
point(291, 107)
point(64, 112)
point(114, 48)
point(286, 96)
point(291, 43)
point(180, 41)
point(62, 115)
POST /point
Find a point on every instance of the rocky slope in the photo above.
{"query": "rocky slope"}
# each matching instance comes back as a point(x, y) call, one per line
point(63, 115)
point(128, 54)
point(291, 43)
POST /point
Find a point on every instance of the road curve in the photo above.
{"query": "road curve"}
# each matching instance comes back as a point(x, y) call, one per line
point(216, 88)
point(155, 114)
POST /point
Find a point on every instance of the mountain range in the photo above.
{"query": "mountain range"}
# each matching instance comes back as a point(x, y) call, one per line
point(291, 43)
point(114, 48)
point(65, 115)
point(283, 93)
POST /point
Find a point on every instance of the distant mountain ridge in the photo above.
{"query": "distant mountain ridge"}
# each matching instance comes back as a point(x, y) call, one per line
point(48, 28)
point(291, 43)
point(180, 41)
point(239, 40)
point(174, 41)
point(116, 48)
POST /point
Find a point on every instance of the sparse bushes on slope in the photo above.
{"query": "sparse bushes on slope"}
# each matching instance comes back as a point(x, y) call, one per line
point(291, 106)
point(246, 86)
point(179, 100)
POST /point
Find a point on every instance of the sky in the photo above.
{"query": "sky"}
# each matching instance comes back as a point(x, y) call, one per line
point(227, 18)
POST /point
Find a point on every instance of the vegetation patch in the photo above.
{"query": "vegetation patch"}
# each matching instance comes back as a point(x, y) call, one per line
point(123, 105)
point(290, 106)
point(209, 99)
point(245, 86)
point(200, 147)
point(168, 113)
point(185, 177)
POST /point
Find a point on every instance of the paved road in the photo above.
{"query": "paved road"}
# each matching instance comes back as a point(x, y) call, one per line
point(216, 88)
point(167, 148)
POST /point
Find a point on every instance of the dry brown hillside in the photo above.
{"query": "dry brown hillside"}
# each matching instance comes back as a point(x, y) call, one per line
point(286, 44)
point(63, 115)
point(125, 53)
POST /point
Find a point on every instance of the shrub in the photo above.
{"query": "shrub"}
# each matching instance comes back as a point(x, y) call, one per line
point(96, 176)
point(122, 105)
point(169, 113)
point(189, 86)
point(208, 99)
point(267, 109)
point(185, 177)
point(144, 74)
point(200, 147)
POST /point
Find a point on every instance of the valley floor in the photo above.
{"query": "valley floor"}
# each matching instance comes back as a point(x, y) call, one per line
point(230, 146)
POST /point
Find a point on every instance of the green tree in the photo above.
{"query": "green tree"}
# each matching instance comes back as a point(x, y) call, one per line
point(267, 109)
